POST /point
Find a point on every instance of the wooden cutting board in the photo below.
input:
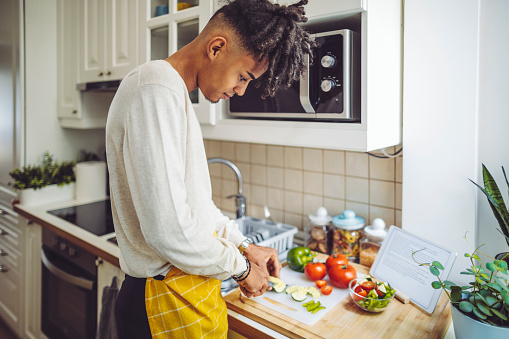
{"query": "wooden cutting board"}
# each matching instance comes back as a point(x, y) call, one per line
point(347, 320)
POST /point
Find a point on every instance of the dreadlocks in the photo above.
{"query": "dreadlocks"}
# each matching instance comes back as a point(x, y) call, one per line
point(270, 31)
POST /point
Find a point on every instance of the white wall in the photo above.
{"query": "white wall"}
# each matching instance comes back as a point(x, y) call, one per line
point(493, 113)
point(455, 118)
point(440, 123)
point(42, 129)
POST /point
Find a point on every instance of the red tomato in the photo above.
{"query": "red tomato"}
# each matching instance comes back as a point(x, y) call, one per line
point(358, 289)
point(368, 285)
point(315, 271)
point(378, 291)
point(361, 295)
point(320, 283)
point(326, 290)
point(336, 259)
point(341, 275)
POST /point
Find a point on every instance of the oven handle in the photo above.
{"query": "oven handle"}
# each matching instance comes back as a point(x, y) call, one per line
point(71, 279)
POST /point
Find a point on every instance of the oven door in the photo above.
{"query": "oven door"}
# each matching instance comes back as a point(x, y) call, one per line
point(69, 299)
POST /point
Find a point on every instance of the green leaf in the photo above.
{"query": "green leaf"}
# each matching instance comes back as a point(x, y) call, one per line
point(436, 285)
point(434, 271)
point(465, 288)
point(438, 265)
point(502, 264)
point(470, 270)
point(455, 295)
point(448, 284)
point(465, 306)
point(490, 266)
point(484, 309)
point(479, 296)
point(502, 283)
point(500, 315)
point(491, 300)
point(506, 299)
point(495, 287)
point(476, 257)
point(479, 314)
point(467, 273)
point(467, 255)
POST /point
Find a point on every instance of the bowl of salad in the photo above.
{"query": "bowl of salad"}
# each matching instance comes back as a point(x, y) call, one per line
point(371, 295)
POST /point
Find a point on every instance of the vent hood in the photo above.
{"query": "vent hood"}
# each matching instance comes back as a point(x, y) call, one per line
point(99, 86)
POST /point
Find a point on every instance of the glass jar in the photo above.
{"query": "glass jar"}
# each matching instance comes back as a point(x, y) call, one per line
point(371, 242)
point(316, 231)
point(346, 234)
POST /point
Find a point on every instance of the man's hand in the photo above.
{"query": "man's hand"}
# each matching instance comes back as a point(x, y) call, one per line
point(265, 258)
point(256, 282)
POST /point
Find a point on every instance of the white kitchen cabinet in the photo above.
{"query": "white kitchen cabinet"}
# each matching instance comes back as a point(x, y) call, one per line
point(380, 26)
point(165, 34)
point(105, 274)
point(108, 39)
point(75, 109)
point(11, 274)
point(31, 281)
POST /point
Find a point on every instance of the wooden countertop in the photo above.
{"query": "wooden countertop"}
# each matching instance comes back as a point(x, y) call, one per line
point(346, 320)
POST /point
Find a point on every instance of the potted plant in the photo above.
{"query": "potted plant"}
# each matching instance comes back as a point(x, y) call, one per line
point(497, 205)
point(481, 309)
point(46, 183)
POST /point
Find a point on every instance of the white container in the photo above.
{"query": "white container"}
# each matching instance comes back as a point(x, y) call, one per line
point(467, 328)
point(90, 180)
point(46, 195)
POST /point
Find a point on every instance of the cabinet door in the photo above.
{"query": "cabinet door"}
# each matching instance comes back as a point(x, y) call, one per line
point(67, 49)
point(31, 283)
point(92, 18)
point(121, 37)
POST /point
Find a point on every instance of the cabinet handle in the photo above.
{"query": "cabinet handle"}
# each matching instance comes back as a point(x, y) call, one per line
point(74, 111)
point(108, 73)
point(3, 233)
point(3, 253)
point(100, 74)
point(30, 222)
point(3, 269)
point(2, 212)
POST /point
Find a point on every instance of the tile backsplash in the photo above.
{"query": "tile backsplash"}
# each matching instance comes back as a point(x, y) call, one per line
point(294, 181)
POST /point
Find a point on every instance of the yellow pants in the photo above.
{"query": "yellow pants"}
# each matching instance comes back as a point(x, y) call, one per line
point(185, 306)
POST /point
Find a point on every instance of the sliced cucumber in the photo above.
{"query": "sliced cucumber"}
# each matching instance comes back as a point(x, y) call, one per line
point(382, 289)
point(292, 289)
point(279, 287)
point(314, 292)
point(274, 280)
point(299, 296)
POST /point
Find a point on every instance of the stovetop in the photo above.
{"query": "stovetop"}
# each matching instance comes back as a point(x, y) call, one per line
point(94, 217)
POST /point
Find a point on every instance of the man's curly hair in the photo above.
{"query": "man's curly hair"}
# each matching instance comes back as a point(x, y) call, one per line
point(271, 31)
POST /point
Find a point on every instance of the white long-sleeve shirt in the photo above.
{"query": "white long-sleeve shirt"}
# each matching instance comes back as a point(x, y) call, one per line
point(160, 187)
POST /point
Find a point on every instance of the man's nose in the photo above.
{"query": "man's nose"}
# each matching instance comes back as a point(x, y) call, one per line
point(240, 89)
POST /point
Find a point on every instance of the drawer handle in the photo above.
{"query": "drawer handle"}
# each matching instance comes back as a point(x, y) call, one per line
point(2, 212)
point(3, 269)
point(3, 233)
point(3, 253)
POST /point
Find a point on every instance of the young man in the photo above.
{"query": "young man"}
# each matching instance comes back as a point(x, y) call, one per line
point(175, 245)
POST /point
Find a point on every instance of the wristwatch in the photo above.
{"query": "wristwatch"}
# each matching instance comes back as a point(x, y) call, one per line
point(244, 245)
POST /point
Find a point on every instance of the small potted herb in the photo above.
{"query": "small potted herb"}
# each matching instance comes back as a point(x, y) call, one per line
point(45, 183)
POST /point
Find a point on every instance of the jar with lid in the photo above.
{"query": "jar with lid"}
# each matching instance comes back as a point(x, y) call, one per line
point(370, 243)
point(316, 231)
point(346, 235)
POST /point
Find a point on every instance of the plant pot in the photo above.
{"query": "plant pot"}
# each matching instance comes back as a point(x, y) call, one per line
point(46, 195)
point(467, 328)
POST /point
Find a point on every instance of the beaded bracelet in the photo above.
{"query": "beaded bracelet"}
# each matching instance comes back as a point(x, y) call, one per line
point(245, 273)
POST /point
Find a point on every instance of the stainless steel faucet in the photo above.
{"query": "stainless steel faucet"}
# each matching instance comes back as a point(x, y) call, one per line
point(240, 199)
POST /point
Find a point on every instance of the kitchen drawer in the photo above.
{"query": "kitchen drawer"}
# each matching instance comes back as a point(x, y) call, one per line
point(10, 235)
point(10, 261)
point(10, 294)
point(8, 217)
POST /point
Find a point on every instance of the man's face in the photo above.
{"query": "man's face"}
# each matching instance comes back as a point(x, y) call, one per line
point(229, 74)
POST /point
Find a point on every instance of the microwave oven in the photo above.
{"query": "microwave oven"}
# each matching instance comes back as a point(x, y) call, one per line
point(329, 89)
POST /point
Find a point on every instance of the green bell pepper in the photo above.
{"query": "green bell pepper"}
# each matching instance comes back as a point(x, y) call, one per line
point(299, 257)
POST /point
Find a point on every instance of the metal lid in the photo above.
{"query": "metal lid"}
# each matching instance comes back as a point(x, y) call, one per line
point(348, 220)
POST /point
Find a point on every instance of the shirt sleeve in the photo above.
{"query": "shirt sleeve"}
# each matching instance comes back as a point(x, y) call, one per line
point(225, 227)
point(154, 157)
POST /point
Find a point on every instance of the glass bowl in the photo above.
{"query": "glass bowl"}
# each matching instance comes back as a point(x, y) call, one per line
point(374, 305)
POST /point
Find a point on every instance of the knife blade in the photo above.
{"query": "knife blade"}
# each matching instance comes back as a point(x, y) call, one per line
point(279, 304)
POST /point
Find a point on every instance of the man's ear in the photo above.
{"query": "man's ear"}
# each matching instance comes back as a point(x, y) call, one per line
point(216, 46)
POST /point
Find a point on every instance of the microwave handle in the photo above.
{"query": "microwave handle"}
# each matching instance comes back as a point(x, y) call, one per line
point(305, 101)
point(71, 279)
